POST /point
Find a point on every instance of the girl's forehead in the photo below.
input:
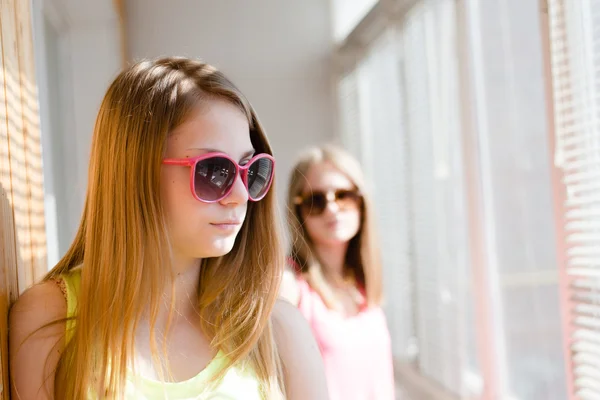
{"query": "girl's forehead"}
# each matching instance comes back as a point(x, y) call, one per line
point(325, 176)
point(216, 125)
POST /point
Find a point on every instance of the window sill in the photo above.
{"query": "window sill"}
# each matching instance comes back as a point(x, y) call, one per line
point(415, 386)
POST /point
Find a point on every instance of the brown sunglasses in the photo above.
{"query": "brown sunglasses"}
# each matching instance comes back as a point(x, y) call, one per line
point(315, 203)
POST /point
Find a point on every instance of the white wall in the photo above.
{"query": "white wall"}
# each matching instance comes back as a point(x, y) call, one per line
point(77, 55)
point(277, 52)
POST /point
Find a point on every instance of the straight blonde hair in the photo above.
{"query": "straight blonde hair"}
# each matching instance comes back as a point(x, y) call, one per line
point(122, 245)
point(362, 257)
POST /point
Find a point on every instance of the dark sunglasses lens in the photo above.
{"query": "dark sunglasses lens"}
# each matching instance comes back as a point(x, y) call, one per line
point(213, 177)
point(260, 174)
point(314, 204)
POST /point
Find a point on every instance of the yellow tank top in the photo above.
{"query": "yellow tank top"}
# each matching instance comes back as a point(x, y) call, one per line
point(236, 384)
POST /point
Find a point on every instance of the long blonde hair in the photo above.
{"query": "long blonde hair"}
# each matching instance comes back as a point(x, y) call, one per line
point(362, 256)
point(122, 244)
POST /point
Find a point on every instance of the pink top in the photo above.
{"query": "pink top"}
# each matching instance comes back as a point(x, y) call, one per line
point(356, 350)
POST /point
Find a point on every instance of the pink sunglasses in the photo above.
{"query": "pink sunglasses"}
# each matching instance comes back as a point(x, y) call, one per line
point(213, 175)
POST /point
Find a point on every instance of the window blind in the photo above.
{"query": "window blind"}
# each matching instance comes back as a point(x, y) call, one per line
point(574, 28)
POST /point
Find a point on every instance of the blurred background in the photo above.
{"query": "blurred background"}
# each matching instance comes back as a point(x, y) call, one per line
point(477, 122)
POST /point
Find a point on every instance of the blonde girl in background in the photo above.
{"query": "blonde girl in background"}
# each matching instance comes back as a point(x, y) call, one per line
point(335, 273)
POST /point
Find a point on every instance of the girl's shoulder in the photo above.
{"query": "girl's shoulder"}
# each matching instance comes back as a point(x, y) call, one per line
point(42, 303)
point(36, 333)
point(299, 353)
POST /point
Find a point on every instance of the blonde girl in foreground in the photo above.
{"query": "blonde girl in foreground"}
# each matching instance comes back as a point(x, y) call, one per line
point(169, 288)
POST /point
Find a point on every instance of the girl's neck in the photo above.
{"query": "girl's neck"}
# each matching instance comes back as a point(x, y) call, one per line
point(184, 290)
point(333, 261)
